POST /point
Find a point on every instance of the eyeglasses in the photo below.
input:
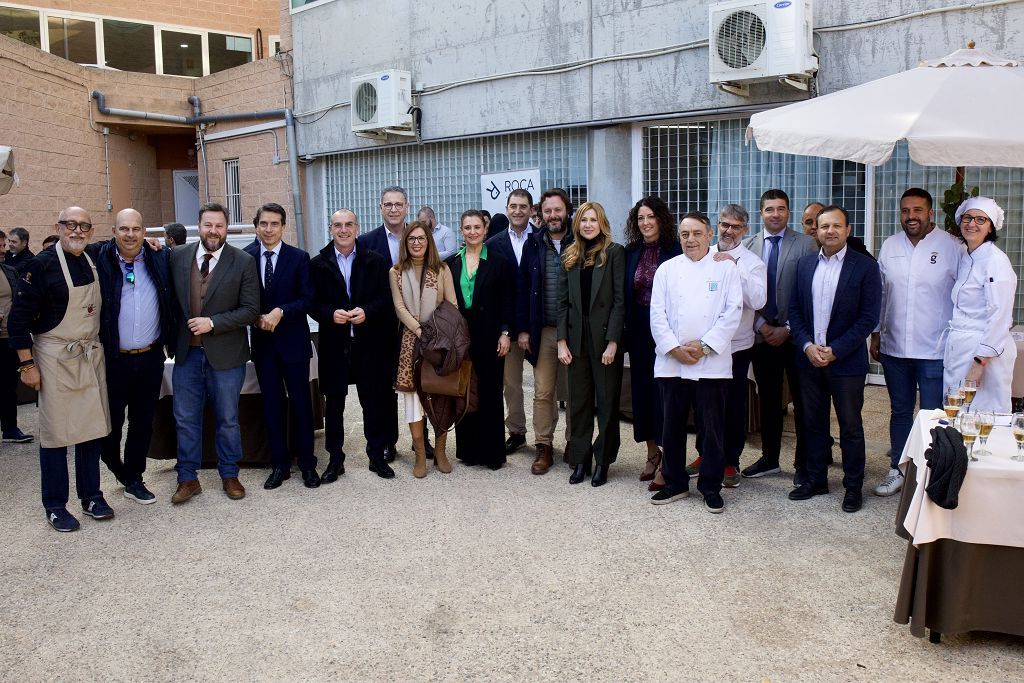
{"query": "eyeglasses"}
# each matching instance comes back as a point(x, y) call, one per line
point(417, 239)
point(731, 226)
point(129, 275)
point(72, 226)
point(393, 206)
point(980, 221)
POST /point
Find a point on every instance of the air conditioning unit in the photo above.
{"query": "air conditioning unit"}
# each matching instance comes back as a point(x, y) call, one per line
point(381, 102)
point(752, 42)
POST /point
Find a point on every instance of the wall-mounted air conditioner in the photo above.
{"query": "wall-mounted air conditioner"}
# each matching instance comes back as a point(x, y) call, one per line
point(753, 42)
point(381, 103)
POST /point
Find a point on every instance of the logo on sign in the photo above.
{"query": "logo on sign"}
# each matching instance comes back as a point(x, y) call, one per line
point(386, 76)
point(783, 5)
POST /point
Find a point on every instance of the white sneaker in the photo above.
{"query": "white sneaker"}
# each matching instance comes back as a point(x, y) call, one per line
point(892, 483)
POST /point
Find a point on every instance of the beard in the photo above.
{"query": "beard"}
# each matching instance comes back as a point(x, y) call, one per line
point(212, 242)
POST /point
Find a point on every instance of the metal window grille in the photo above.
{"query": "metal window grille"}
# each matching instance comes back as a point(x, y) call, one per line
point(446, 175)
point(233, 190)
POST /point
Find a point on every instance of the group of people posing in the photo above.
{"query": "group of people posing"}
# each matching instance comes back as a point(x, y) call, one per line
point(91, 324)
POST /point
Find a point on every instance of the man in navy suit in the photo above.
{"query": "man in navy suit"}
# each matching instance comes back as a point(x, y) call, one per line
point(280, 346)
point(835, 306)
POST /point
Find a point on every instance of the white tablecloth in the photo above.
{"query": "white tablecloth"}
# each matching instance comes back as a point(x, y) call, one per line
point(991, 501)
point(250, 386)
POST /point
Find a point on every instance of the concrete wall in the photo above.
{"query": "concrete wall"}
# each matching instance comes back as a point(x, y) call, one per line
point(442, 43)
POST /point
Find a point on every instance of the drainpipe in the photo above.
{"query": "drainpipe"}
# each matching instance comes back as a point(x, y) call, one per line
point(198, 119)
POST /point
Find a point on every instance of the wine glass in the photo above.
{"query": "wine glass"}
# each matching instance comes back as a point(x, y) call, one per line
point(968, 388)
point(1018, 435)
point(952, 402)
point(985, 421)
point(969, 431)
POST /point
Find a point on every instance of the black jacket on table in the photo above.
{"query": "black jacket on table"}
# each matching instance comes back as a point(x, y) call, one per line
point(112, 282)
point(371, 291)
point(42, 298)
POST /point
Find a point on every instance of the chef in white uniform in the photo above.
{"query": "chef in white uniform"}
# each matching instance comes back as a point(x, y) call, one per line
point(978, 342)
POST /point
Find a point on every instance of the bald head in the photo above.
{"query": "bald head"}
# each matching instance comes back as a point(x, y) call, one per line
point(809, 218)
point(79, 212)
point(129, 233)
point(344, 229)
point(74, 227)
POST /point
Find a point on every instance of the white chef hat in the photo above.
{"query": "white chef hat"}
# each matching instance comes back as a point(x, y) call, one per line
point(986, 204)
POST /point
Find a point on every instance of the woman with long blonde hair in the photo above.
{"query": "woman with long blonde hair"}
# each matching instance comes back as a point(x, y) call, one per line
point(591, 314)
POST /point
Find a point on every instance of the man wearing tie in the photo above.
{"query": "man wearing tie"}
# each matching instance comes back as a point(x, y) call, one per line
point(281, 348)
point(780, 248)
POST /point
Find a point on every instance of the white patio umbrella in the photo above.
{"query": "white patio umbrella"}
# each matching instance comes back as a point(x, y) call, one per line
point(961, 110)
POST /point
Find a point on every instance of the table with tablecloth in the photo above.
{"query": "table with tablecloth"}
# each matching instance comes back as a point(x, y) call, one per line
point(255, 450)
point(964, 568)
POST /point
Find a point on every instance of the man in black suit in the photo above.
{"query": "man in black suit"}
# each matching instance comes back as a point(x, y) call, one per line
point(281, 348)
point(835, 306)
point(218, 293)
point(18, 253)
point(352, 303)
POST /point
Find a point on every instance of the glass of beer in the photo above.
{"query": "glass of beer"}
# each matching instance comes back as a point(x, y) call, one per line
point(985, 421)
point(953, 401)
point(969, 431)
point(1017, 423)
point(969, 388)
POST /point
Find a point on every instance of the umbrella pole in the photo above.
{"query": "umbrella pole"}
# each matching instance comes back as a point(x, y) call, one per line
point(959, 175)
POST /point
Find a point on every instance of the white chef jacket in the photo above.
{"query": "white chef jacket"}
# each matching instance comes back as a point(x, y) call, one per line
point(982, 299)
point(696, 300)
point(754, 282)
point(916, 287)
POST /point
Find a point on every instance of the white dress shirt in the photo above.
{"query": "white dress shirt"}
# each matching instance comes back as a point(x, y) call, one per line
point(823, 293)
point(201, 251)
point(518, 241)
point(263, 260)
point(695, 300)
point(754, 282)
point(394, 242)
point(917, 283)
point(766, 252)
point(444, 240)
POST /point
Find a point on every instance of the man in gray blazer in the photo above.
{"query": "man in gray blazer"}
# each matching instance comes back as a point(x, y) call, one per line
point(780, 247)
point(218, 295)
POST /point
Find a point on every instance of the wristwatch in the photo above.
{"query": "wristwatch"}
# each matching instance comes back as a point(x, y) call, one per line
point(705, 349)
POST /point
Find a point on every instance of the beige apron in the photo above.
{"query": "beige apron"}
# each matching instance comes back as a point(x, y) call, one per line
point(73, 397)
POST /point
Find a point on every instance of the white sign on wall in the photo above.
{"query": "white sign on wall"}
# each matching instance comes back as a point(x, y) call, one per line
point(496, 187)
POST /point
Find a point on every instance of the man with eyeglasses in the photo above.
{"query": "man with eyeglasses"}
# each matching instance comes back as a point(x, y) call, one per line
point(55, 327)
point(136, 323)
point(753, 275)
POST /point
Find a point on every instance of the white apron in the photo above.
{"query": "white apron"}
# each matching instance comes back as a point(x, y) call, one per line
point(982, 316)
point(73, 392)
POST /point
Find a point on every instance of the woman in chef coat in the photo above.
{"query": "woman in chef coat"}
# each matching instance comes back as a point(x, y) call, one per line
point(978, 343)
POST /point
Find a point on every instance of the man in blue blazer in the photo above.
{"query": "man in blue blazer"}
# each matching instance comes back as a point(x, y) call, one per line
point(281, 347)
point(835, 306)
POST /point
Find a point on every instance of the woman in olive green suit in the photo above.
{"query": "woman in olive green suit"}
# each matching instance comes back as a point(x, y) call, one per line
point(591, 313)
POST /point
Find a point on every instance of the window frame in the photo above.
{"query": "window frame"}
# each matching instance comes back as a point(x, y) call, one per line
point(317, 3)
point(233, 171)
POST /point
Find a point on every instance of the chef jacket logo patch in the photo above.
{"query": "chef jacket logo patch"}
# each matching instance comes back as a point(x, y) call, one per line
point(90, 310)
point(935, 258)
point(712, 285)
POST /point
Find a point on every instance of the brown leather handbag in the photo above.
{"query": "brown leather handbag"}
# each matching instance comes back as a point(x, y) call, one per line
point(452, 384)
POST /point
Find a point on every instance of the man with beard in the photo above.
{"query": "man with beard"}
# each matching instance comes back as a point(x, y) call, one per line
point(218, 291)
point(919, 267)
point(55, 328)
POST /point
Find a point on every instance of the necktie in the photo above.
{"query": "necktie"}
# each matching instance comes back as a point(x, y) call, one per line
point(771, 307)
point(204, 269)
point(268, 271)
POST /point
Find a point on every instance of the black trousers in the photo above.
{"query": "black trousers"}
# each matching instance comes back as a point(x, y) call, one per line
point(679, 396)
point(736, 401)
point(594, 388)
point(277, 377)
point(646, 397)
point(133, 386)
point(821, 390)
point(377, 399)
point(771, 365)
point(8, 387)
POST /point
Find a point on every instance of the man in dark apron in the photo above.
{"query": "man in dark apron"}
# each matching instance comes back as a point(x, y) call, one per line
point(54, 326)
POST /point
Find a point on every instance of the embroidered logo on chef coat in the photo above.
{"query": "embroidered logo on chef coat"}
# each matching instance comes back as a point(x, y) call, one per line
point(90, 311)
point(713, 285)
point(935, 258)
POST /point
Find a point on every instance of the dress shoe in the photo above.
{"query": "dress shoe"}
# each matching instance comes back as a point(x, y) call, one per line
point(390, 453)
point(651, 467)
point(380, 467)
point(495, 466)
point(852, 501)
point(600, 475)
point(579, 473)
point(276, 478)
point(186, 489)
point(234, 488)
point(800, 478)
point(761, 468)
point(544, 459)
point(514, 442)
point(335, 468)
point(310, 479)
point(808, 490)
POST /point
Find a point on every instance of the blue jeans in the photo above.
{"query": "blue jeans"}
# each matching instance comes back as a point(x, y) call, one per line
point(903, 377)
point(53, 473)
point(194, 380)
